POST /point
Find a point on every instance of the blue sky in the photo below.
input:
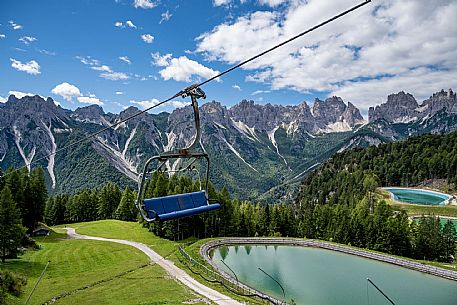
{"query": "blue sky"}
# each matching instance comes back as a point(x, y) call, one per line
point(136, 52)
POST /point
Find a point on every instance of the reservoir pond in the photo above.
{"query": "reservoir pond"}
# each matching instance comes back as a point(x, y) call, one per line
point(417, 196)
point(314, 276)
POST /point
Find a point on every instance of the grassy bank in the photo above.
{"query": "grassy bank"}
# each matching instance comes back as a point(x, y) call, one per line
point(124, 273)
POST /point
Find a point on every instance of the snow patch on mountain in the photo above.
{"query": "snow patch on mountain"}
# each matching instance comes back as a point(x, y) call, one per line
point(125, 165)
point(271, 137)
point(249, 132)
point(404, 119)
point(290, 128)
point(305, 171)
point(52, 155)
point(340, 126)
point(17, 140)
point(171, 138)
point(219, 125)
point(238, 154)
point(128, 142)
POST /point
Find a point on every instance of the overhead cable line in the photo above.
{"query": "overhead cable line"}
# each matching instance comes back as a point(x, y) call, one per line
point(185, 91)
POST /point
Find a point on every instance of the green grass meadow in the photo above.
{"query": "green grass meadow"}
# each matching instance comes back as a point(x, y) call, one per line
point(76, 264)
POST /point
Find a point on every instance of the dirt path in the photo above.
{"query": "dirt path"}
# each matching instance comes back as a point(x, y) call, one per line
point(169, 266)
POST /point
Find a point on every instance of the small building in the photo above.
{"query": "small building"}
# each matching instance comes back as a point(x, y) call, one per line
point(41, 230)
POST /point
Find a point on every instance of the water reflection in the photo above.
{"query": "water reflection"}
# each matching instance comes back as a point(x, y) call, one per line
point(323, 277)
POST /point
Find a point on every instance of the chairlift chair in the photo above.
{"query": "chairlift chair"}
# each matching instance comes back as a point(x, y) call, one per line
point(180, 205)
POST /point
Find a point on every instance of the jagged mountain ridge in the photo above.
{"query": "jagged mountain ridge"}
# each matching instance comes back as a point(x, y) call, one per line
point(254, 148)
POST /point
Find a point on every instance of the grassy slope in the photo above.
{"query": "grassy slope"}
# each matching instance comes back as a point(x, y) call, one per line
point(124, 230)
point(77, 263)
point(135, 232)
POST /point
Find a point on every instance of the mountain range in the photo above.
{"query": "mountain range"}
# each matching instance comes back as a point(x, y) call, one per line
point(257, 151)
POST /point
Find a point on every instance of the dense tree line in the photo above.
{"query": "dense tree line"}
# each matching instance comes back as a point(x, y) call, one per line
point(107, 202)
point(29, 194)
point(22, 200)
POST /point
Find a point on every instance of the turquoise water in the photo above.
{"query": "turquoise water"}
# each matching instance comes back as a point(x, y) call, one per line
point(313, 276)
point(417, 196)
point(442, 221)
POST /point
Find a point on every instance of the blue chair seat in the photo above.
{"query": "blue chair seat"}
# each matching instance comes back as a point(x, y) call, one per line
point(178, 206)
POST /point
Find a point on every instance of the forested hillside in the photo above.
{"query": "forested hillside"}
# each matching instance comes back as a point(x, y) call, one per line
point(346, 177)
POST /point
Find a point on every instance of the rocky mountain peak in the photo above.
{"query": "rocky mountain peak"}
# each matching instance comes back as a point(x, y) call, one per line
point(89, 114)
point(33, 108)
point(399, 108)
point(129, 111)
point(403, 107)
point(12, 99)
point(329, 109)
point(352, 115)
point(441, 100)
point(402, 99)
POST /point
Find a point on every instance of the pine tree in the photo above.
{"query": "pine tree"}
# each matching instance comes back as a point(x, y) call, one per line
point(449, 238)
point(126, 209)
point(10, 225)
point(108, 200)
point(35, 199)
point(161, 186)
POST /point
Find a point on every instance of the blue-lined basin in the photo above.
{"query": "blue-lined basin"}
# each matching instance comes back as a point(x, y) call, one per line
point(418, 196)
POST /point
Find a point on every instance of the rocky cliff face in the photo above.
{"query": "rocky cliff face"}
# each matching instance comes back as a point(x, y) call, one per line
point(403, 107)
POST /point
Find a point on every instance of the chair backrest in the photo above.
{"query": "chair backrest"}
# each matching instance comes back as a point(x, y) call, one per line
point(173, 203)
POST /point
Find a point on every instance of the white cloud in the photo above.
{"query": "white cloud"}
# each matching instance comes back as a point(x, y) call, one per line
point(14, 25)
point(153, 102)
point(90, 100)
point(67, 91)
point(107, 72)
point(20, 94)
point(370, 48)
point(272, 3)
point(118, 24)
point(182, 68)
point(119, 93)
point(148, 38)
point(31, 67)
point(260, 92)
point(161, 61)
point(236, 87)
point(88, 61)
point(146, 104)
point(2, 35)
point(2, 100)
point(46, 52)
point(115, 75)
point(165, 17)
point(27, 39)
point(103, 68)
point(221, 2)
point(421, 82)
point(125, 59)
point(179, 104)
point(130, 24)
point(146, 4)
